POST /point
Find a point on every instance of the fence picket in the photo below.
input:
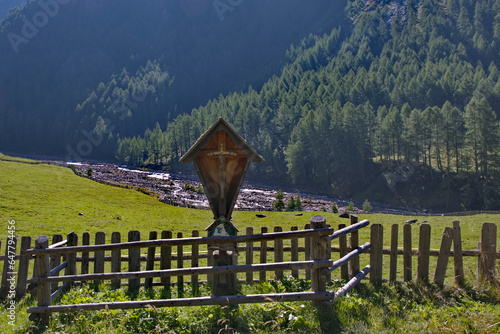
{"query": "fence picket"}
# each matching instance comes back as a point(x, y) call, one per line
point(134, 261)
point(166, 262)
point(407, 264)
point(424, 248)
point(393, 256)
point(457, 255)
point(55, 259)
point(344, 269)
point(116, 260)
point(488, 252)
point(278, 252)
point(85, 255)
point(444, 255)
point(150, 260)
point(354, 264)
point(376, 256)
point(263, 254)
point(22, 274)
point(249, 255)
point(194, 264)
point(100, 239)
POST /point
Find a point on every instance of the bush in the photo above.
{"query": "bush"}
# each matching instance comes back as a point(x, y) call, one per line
point(291, 204)
point(335, 209)
point(350, 207)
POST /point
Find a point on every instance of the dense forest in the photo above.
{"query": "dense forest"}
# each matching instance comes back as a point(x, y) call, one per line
point(394, 101)
point(69, 65)
point(400, 106)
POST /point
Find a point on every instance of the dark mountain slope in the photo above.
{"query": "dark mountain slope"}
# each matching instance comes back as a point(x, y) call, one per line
point(55, 56)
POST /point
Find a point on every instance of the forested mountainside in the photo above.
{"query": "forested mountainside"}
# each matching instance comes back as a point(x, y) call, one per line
point(6, 5)
point(76, 75)
point(399, 105)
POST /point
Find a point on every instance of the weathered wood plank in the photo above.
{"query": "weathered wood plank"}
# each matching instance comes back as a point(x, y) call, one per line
point(232, 269)
point(194, 264)
point(263, 254)
point(199, 301)
point(295, 252)
point(55, 259)
point(278, 252)
point(8, 265)
point(249, 255)
point(354, 263)
point(444, 255)
point(407, 256)
point(134, 261)
point(307, 252)
point(180, 264)
point(393, 253)
point(85, 255)
point(166, 262)
point(488, 252)
point(189, 241)
point(150, 261)
point(42, 270)
point(100, 239)
point(71, 257)
point(424, 247)
point(22, 274)
point(318, 253)
point(457, 255)
point(376, 257)
point(116, 260)
point(344, 269)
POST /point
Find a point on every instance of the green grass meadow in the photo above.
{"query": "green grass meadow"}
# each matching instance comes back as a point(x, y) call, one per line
point(47, 199)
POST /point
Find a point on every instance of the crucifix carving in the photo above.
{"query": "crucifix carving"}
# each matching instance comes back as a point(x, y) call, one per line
point(222, 154)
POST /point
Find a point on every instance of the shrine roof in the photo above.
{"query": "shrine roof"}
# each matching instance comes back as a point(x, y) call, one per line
point(204, 139)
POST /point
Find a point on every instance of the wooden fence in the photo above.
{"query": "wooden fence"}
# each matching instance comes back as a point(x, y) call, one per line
point(305, 254)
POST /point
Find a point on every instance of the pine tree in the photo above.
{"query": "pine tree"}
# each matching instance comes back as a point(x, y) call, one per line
point(367, 206)
point(291, 204)
point(279, 204)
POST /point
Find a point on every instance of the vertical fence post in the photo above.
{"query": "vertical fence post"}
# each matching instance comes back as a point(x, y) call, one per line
point(354, 263)
point(457, 255)
point(407, 264)
point(329, 255)
point(307, 253)
point(295, 252)
point(42, 270)
point(55, 259)
point(263, 255)
point(134, 261)
point(195, 250)
point(100, 239)
point(376, 255)
point(424, 247)
point(318, 252)
point(8, 268)
point(444, 255)
point(393, 257)
point(344, 269)
point(116, 259)
point(180, 264)
point(166, 263)
point(278, 252)
point(249, 255)
point(150, 261)
point(71, 257)
point(85, 255)
point(479, 264)
point(22, 274)
point(488, 252)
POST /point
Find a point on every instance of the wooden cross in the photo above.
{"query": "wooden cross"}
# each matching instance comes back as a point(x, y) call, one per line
point(222, 154)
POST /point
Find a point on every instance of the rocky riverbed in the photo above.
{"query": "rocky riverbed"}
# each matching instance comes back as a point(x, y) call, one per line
point(183, 190)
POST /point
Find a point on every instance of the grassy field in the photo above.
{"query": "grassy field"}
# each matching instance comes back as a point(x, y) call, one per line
point(47, 199)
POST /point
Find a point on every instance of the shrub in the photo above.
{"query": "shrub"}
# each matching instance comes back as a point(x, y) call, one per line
point(335, 209)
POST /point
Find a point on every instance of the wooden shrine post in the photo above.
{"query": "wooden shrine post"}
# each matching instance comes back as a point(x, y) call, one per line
point(221, 158)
